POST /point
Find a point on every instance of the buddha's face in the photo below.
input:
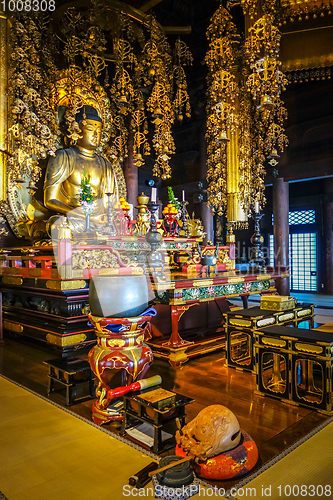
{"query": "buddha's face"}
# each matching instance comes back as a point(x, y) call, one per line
point(91, 132)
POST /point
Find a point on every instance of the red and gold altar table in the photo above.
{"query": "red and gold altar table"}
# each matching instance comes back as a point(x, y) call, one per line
point(45, 288)
point(201, 331)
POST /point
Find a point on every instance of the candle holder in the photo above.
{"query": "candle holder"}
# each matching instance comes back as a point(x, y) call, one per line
point(142, 224)
point(127, 219)
point(109, 228)
point(257, 255)
point(153, 237)
point(121, 218)
point(183, 230)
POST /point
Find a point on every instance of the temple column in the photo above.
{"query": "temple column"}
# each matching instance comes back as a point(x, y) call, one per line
point(281, 232)
point(131, 174)
point(205, 212)
point(328, 247)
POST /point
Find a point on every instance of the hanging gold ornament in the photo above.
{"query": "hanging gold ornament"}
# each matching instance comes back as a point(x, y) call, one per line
point(265, 82)
point(221, 113)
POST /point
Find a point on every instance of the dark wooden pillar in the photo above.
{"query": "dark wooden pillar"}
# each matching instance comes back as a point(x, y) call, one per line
point(205, 213)
point(281, 232)
point(207, 220)
point(328, 247)
point(131, 174)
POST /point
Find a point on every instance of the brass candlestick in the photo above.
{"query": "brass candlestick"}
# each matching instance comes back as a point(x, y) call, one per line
point(142, 224)
point(183, 230)
point(257, 255)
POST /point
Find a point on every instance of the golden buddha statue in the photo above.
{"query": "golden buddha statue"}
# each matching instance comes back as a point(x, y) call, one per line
point(65, 172)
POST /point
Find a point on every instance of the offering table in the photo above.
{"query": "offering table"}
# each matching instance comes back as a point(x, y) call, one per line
point(179, 293)
point(45, 288)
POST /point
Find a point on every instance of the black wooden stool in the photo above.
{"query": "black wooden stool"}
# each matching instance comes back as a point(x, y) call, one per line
point(74, 374)
point(136, 408)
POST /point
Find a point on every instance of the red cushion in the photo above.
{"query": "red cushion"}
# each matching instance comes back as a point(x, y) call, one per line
point(230, 464)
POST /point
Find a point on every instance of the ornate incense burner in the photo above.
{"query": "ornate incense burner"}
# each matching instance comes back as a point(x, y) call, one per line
point(142, 224)
point(208, 260)
point(120, 346)
point(120, 318)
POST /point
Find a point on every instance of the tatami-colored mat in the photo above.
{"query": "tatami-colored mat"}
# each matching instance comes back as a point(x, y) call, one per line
point(50, 454)
point(305, 472)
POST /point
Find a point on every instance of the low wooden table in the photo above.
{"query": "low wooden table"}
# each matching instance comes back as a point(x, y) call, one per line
point(295, 366)
point(241, 326)
point(304, 312)
point(73, 374)
point(136, 408)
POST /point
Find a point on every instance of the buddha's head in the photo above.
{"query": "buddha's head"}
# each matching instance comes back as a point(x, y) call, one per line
point(91, 126)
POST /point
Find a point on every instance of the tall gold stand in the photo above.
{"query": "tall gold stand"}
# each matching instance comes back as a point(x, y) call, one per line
point(142, 219)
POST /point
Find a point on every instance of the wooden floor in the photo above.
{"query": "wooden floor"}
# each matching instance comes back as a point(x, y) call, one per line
point(273, 425)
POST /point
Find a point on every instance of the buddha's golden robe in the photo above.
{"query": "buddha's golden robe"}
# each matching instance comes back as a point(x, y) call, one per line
point(63, 178)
